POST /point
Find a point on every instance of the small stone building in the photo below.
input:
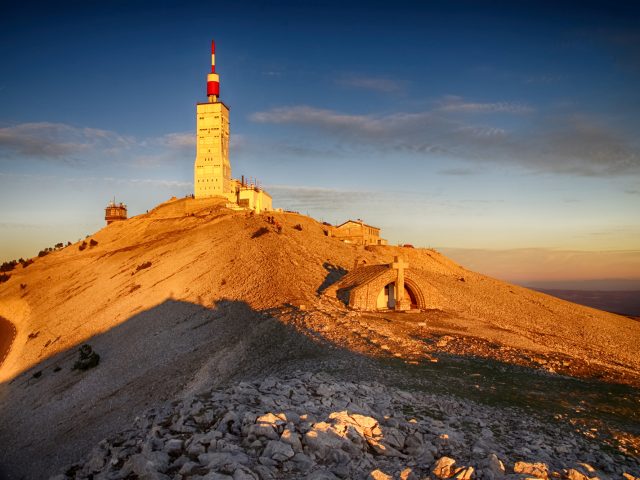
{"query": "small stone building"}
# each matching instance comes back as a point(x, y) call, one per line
point(358, 233)
point(115, 212)
point(250, 196)
point(377, 287)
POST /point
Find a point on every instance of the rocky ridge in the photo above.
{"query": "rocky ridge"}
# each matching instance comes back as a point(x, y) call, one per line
point(313, 426)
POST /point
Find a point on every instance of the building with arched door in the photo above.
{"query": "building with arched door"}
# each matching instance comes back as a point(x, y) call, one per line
point(375, 287)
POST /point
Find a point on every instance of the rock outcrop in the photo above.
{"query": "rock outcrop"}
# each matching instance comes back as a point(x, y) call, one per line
point(314, 427)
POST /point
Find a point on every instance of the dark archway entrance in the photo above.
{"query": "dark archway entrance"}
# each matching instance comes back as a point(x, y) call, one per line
point(387, 298)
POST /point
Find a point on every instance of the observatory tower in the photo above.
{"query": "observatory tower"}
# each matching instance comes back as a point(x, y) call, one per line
point(212, 170)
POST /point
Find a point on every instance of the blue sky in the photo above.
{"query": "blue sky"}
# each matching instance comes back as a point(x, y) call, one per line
point(468, 126)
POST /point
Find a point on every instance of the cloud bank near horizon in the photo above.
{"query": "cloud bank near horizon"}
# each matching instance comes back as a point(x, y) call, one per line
point(551, 266)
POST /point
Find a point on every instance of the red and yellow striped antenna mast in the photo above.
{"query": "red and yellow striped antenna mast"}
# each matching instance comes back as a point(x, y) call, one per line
point(213, 79)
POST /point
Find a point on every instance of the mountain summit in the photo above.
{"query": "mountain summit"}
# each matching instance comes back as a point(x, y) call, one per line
point(192, 295)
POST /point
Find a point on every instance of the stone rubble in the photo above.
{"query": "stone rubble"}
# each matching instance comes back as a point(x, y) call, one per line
point(314, 427)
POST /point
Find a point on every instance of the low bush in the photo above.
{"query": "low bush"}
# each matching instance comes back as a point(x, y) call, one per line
point(93, 243)
point(261, 231)
point(8, 266)
point(87, 358)
point(26, 263)
point(142, 266)
point(297, 227)
point(4, 277)
point(82, 246)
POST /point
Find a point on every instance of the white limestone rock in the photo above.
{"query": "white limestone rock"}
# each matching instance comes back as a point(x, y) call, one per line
point(291, 437)
point(444, 467)
point(495, 466)
point(538, 470)
point(379, 475)
point(278, 451)
point(174, 446)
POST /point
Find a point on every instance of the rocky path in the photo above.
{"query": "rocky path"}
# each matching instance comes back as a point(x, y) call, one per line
point(7, 335)
point(316, 427)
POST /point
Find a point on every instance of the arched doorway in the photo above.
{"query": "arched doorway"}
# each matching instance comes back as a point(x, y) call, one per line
point(387, 299)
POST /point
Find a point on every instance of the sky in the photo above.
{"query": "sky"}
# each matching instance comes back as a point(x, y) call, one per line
point(504, 134)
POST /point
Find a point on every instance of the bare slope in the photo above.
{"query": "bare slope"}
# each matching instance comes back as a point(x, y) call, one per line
point(200, 252)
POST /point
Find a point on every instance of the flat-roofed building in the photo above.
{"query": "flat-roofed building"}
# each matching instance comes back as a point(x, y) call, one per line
point(358, 232)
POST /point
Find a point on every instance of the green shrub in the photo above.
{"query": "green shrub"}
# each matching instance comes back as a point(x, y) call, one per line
point(87, 359)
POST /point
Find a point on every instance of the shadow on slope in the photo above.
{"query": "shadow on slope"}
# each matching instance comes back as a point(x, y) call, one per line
point(178, 348)
point(334, 273)
point(173, 349)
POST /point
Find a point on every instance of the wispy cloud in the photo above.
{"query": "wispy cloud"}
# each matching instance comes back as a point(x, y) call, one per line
point(180, 140)
point(154, 182)
point(567, 144)
point(303, 198)
point(58, 140)
point(459, 171)
point(453, 103)
point(374, 83)
point(63, 143)
point(328, 119)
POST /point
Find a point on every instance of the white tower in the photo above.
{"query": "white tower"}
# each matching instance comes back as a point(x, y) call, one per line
point(212, 170)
